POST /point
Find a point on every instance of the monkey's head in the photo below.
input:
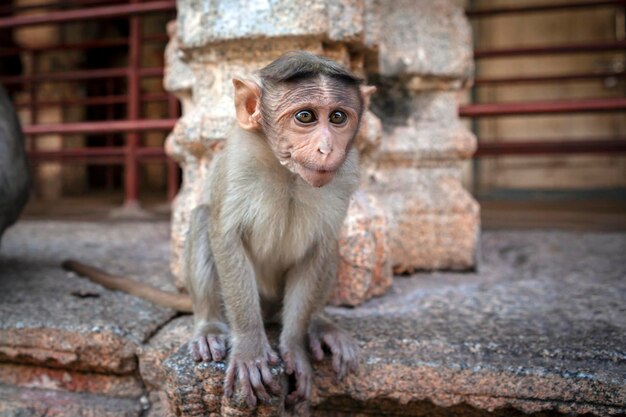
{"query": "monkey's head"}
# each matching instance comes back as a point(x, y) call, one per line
point(309, 109)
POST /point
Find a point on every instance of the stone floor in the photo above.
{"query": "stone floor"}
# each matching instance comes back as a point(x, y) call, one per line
point(541, 328)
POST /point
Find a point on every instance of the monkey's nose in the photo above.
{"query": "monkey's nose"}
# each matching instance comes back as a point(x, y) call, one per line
point(325, 148)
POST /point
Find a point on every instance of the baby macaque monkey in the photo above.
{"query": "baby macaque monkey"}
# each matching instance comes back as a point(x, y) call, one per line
point(264, 246)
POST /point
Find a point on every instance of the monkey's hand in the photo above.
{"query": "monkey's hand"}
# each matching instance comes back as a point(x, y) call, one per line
point(297, 365)
point(344, 350)
point(250, 367)
point(209, 342)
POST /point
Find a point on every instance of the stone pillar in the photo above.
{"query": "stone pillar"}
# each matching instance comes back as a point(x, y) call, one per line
point(226, 39)
point(424, 61)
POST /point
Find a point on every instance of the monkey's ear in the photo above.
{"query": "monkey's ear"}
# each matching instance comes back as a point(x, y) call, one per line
point(247, 103)
point(366, 93)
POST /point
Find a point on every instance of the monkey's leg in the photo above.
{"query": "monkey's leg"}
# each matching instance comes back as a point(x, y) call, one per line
point(305, 293)
point(210, 331)
point(323, 333)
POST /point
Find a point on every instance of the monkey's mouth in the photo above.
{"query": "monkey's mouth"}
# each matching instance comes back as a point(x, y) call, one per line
point(315, 175)
point(319, 170)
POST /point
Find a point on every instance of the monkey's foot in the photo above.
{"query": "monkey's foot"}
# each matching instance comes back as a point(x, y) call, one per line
point(298, 367)
point(344, 350)
point(209, 342)
point(251, 370)
point(211, 347)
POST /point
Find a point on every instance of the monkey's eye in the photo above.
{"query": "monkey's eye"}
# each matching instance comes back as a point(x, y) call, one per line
point(337, 117)
point(305, 116)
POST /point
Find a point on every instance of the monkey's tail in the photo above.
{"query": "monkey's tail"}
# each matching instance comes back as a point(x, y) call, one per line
point(180, 302)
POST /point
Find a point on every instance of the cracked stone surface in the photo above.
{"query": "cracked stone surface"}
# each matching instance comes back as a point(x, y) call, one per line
point(53, 318)
point(540, 328)
point(25, 402)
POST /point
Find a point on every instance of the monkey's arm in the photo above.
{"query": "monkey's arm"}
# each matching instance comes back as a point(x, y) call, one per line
point(251, 352)
point(180, 302)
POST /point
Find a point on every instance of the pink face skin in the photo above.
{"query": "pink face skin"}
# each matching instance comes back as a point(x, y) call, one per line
point(315, 128)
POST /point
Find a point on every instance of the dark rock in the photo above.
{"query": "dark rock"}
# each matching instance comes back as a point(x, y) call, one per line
point(14, 174)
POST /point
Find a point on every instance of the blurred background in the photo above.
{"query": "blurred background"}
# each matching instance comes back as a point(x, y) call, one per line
point(547, 105)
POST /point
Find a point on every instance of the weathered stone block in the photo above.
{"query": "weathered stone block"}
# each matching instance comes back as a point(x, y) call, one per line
point(431, 39)
point(196, 389)
point(29, 402)
point(365, 263)
point(201, 24)
point(120, 386)
point(433, 222)
point(165, 342)
point(436, 226)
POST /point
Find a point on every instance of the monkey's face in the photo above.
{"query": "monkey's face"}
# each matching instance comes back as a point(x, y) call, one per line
point(314, 125)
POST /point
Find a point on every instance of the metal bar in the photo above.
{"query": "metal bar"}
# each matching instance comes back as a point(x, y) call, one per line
point(100, 127)
point(156, 38)
point(94, 101)
point(131, 167)
point(154, 97)
point(582, 76)
point(88, 13)
point(104, 43)
point(80, 75)
point(543, 8)
point(109, 173)
point(12, 8)
point(108, 152)
point(553, 49)
point(588, 146)
point(542, 107)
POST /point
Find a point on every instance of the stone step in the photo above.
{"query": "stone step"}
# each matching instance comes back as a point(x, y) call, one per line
point(32, 402)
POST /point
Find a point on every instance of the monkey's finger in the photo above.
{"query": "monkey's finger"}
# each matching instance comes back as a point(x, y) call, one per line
point(246, 389)
point(303, 387)
point(316, 348)
point(204, 349)
point(217, 348)
point(269, 380)
point(257, 383)
point(289, 368)
point(272, 357)
point(193, 351)
point(353, 361)
point(229, 381)
point(335, 349)
point(344, 359)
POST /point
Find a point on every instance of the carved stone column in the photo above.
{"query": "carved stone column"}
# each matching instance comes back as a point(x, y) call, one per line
point(425, 59)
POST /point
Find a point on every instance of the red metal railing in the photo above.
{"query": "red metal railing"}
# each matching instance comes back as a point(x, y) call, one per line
point(89, 13)
point(132, 152)
point(543, 8)
point(542, 107)
point(494, 147)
